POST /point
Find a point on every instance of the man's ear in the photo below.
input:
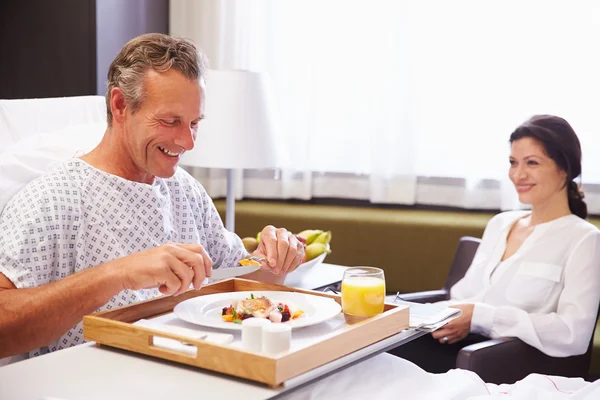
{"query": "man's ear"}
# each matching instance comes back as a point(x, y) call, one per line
point(117, 104)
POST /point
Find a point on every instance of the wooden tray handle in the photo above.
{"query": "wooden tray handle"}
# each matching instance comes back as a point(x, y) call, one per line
point(167, 345)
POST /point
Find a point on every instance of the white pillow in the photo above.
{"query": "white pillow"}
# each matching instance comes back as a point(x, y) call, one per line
point(21, 118)
point(22, 162)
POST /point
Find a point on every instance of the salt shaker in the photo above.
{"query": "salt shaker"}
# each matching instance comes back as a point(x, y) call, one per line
point(252, 332)
point(276, 338)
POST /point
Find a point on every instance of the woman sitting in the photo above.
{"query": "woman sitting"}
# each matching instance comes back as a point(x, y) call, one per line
point(536, 274)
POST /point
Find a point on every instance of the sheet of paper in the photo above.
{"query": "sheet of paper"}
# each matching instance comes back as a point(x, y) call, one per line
point(429, 316)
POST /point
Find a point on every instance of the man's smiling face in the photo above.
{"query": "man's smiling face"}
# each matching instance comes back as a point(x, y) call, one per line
point(165, 125)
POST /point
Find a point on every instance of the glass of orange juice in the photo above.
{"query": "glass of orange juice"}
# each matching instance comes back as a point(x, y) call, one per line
point(363, 293)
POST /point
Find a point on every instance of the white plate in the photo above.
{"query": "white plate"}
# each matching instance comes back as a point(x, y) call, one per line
point(207, 310)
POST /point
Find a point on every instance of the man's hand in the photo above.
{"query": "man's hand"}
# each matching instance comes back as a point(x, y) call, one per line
point(170, 267)
point(281, 248)
point(457, 329)
point(31, 318)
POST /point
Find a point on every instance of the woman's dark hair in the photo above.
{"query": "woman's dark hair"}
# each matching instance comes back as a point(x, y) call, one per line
point(561, 145)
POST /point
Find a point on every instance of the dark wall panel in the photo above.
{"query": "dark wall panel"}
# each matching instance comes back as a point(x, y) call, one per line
point(47, 48)
point(53, 48)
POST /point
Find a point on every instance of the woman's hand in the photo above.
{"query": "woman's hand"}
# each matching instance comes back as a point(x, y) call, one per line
point(457, 329)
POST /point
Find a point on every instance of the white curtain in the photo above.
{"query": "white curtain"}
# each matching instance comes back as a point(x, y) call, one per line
point(406, 101)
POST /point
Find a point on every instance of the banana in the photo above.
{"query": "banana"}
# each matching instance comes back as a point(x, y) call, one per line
point(258, 237)
point(324, 238)
point(314, 250)
point(250, 244)
point(310, 235)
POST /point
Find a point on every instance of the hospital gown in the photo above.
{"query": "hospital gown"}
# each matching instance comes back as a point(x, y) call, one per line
point(76, 217)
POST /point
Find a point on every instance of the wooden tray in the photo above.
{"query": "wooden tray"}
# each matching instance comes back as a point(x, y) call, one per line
point(114, 328)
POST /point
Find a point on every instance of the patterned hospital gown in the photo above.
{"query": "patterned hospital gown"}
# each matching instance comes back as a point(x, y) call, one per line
point(77, 217)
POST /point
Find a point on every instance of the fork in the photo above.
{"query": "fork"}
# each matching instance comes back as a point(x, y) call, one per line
point(255, 258)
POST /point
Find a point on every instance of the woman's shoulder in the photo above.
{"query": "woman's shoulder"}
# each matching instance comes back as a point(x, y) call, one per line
point(582, 226)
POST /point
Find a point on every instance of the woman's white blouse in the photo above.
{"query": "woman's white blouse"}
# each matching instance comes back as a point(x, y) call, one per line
point(546, 294)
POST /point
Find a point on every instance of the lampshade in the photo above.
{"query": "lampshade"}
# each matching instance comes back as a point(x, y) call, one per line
point(240, 127)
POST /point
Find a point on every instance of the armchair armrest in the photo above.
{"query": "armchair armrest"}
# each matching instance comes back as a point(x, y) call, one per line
point(508, 359)
point(430, 296)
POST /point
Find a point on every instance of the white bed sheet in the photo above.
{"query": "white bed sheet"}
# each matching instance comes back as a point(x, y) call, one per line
point(389, 377)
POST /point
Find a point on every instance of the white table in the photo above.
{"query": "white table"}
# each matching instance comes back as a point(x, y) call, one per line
point(88, 372)
point(318, 277)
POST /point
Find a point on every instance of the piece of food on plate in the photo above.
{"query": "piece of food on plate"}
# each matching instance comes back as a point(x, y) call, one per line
point(246, 262)
point(259, 307)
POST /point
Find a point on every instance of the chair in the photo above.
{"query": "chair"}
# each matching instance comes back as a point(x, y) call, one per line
point(467, 247)
point(506, 359)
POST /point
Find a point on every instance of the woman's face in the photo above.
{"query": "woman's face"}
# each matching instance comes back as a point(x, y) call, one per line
point(536, 176)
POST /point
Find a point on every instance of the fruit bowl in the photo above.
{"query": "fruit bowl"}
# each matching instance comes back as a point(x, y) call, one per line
point(296, 277)
point(309, 264)
point(316, 246)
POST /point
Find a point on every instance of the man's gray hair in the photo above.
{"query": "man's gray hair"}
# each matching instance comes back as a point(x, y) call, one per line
point(155, 51)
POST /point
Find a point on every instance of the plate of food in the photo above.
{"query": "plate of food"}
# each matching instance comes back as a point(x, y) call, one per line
point(228, 310)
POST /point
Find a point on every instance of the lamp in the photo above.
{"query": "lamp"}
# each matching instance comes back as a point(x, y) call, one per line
point(238, 130)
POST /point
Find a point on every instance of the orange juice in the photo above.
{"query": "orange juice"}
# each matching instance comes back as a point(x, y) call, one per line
point(362, 297)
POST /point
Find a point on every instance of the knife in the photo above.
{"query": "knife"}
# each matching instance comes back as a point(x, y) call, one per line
point(224, 273)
